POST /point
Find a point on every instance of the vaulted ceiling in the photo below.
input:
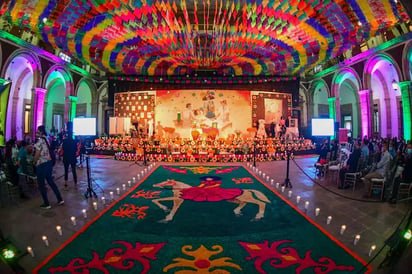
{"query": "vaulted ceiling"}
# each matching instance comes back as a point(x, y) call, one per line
point(176, 37)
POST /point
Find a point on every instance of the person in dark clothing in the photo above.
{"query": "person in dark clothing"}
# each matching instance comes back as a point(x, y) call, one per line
point(272, 129)
point(69, 147)
point(406, 176)
point(351, 165)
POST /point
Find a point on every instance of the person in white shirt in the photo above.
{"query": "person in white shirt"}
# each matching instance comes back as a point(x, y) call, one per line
point(381, 168)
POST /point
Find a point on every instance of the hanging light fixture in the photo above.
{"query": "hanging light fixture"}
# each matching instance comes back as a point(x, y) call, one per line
point(395, 85)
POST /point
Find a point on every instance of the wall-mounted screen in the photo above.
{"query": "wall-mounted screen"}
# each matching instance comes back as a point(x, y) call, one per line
point(323, 127)
point(84, 126)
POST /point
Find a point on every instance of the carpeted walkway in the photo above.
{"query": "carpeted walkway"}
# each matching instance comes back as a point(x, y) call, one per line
point(202, 219)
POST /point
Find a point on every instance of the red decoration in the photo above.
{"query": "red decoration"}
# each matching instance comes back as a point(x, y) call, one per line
point(146, 194)
point(142, 253)
point(288, 256)
point(130, 211)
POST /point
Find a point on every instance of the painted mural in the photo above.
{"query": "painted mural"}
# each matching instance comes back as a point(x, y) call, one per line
point(194, 113)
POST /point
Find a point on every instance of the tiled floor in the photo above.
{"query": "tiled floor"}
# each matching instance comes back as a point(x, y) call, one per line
point(24, 222)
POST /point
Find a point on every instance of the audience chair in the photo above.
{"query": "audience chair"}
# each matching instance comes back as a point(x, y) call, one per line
point(377, 184)
point(404, 190)
point(351, 179)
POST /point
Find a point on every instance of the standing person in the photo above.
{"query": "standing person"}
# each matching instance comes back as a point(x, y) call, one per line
point(44, 168)
point(69, 147)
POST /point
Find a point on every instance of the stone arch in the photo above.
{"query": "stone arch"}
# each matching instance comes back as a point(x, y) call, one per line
point(316, 89)
point(59, 86)
point(346, 79)
point(407, 61)
point(380, 74)
point(23, 70)
point(86, 98)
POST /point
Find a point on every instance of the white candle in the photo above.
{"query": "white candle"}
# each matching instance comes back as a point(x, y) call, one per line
point(290, 193)
point(317, 210)
point(283, 189)
point(277, 185)
point(44, 238)
point(307, 205)
point(73, 219)
point(111, 195)
point(129, 183)
point(30, 251)
point(134, 179)
point(342, 229)
point(84, 213)
point(103, 200)
point(373, 247)
point(297, 199)
point(124, 186)
point(267, 178)
point(260, 172)
point(59, 230)
point(142, 172)
point(272, 181)
point(118, 191)
point(328, 220)
point(263, 175)
point(95, 205)
point(356, 240)
point(138, 176)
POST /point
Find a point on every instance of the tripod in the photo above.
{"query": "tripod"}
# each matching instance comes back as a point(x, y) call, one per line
point(144, 157)
point(89, 192)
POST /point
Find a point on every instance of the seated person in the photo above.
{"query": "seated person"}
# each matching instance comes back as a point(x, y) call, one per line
point(351, 165)
point(381, 168)
point(405, 176)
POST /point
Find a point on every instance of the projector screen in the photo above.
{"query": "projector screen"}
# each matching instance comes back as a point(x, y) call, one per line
point(323, 127)
point(84, 126)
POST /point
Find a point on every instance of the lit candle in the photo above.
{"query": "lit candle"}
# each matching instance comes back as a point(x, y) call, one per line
point(328, 220)
point(95, 205)
point(263, 175)
point(297, 199)
point(277, 185)
point(118, 191)
point(283, 189)
point(356, 240)
point(103, 200)
point(73, 219)
point(59, 230)
point(373, 247)
point(290, 193)
point(84, 213)
point(129, 183)
point(260, 172)
point(142, 172)
point(30, 251)
point(124, 186)
point(138, 176)
point(307, 205)
point(272, 181)
point(44, 238)
point(111, 195)
point(342, 229)
point(134, 179)
point(317, 210)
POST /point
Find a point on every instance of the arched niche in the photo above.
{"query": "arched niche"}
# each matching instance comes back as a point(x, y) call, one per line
point(345, 86)
point(380, 74)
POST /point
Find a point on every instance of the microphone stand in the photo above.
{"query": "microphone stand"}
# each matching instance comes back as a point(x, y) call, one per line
point(89, 192)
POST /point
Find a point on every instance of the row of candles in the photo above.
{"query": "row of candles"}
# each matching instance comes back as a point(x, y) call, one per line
point(306, 204)
point(73, 219)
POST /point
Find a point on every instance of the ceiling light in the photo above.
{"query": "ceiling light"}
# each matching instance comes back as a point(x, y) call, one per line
point(44, 20)
point(359, 23)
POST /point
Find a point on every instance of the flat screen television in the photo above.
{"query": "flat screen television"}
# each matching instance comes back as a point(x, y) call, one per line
point(323, 127)
point(84, 126)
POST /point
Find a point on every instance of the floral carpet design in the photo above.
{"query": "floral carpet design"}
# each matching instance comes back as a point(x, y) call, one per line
point(190, 219)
